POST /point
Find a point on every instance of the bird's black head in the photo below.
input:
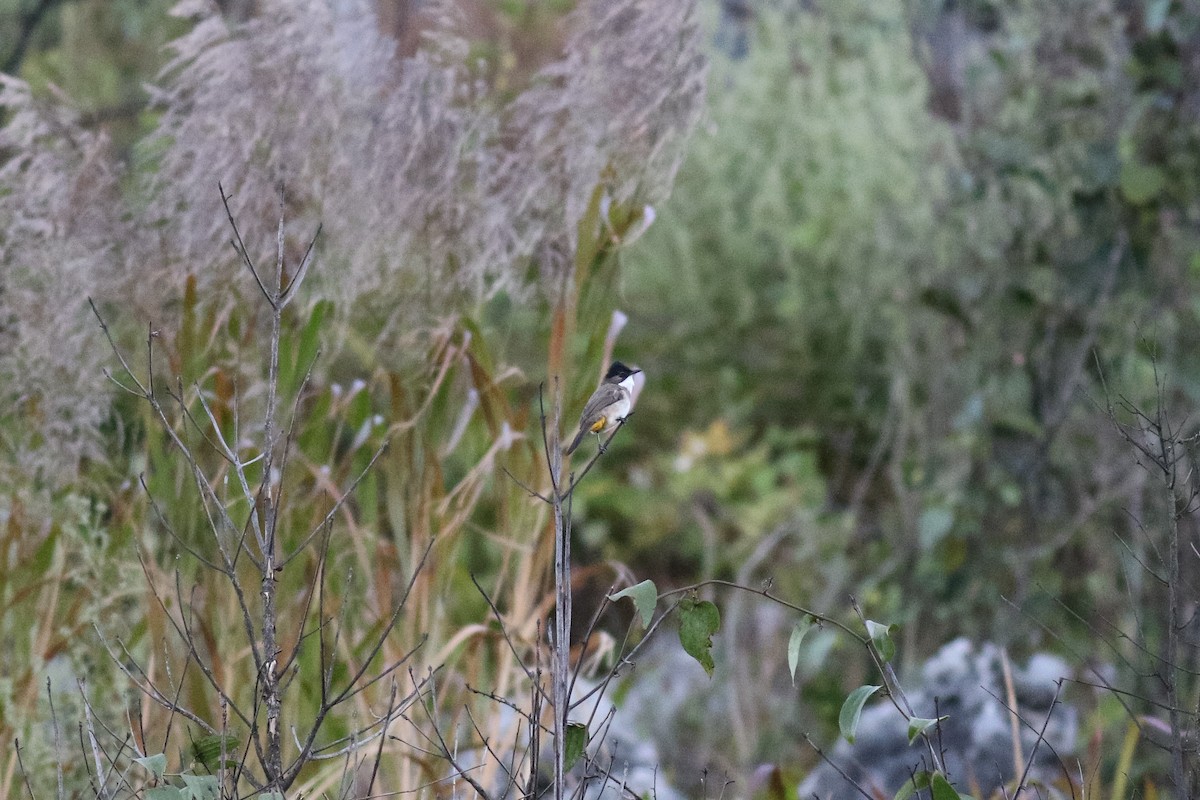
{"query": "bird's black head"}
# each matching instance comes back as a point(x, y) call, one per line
point(619, 372)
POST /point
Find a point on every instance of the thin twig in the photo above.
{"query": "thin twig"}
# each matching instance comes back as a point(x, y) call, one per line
point(1042, 737)
point(1015, 713)
point(21, 766)
point(839, 770)
point(445, 748)
point(58, 767)
point(531, 492)
point(240, 248)
point(766, 592)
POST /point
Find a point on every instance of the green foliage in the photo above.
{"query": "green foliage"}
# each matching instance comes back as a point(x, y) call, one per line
point(914, 784)
point(766, 245)
point(208, 752)
point(851, 712)
point(698, 621)
point(919, 725)
point(644, 596)
point(200, 787)
point(881, 638)
point(922, 306)
point(577, 741)
point(942, 790)
point(102, 53)
point(933, 782)
point(156, 764)
point(799, 631)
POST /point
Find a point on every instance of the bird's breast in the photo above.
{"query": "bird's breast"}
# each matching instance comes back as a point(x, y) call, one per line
point(616, 412)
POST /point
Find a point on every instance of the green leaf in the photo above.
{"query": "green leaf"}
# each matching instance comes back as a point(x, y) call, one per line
point(207, 749)
point(918, 725)
point(43, 557)
point(644, 597)
point(165, 793)
point(941, 788)
point(852, 710)
point(799, 630)
point(577, 739)
point(881, 637)
point(1141, 183)
point(697, 624)
point(914, 784)
point(310, 339)
point(156, 764)
point(199, 787)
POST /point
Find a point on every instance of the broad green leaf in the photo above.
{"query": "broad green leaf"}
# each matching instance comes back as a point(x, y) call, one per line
point(941, 788)
point(882, 639)
point(697, 623)
point(272, 795)
point(207, 749)
point(644, 597)
point(165, 793)
point(914, 784)
point(799, 630)
point(852, 710)
point(199, 787)
point(577, 739)
point(918, 725)
point(156, 764)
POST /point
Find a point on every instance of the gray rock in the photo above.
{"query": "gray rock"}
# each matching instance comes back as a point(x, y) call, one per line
point(964, 682)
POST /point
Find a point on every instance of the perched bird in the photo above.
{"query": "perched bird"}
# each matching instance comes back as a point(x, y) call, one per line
point(608, 406)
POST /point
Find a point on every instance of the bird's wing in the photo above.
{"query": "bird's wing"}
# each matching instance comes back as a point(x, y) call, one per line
point(605, 396)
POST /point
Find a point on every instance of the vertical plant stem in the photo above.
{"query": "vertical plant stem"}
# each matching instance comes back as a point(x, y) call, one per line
point(1170, 667)
point(270, 682)
point(1167, 462)
point(562, 604)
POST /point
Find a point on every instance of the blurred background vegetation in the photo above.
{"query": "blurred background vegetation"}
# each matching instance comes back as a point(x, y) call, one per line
point(909, 256)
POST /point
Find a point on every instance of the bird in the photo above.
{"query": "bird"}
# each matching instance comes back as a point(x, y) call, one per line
point(608, 406)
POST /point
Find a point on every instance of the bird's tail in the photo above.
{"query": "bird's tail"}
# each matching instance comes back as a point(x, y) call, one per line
point(578, 438)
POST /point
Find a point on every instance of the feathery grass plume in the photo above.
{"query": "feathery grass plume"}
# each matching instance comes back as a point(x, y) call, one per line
point(58, 235)
point(623, 100)
point(312, 95)
point(433, 193)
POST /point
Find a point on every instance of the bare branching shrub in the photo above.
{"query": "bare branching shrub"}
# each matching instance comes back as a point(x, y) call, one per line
point(299, 667)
